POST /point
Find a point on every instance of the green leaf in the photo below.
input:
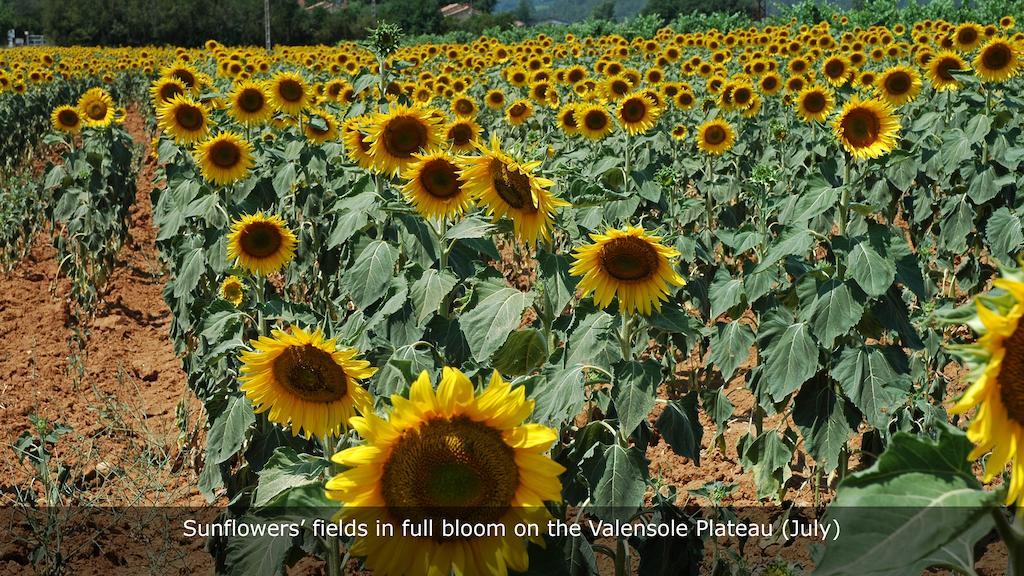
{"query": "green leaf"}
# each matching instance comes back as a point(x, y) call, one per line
point(726, 292)
point(284, 179)
point(681, 427)
point(370, 274)
point(523, 351)
point(1003, 234)
point(191, 271)
point(620, 488)
point(819, 197)
point(405, 364)
point(792, 358)
point(730, 346)
point(258, 555)
point(287, 469)
point(634, 392)
point(471, 227)
point(791, 243)
point(559, 285)
point(428, 291)
point(488, 324)
point(872, 272)
point(825, 420)
point(834, 312)
point(594, 342)
point(229, 429)
point(931, 509)
point(560, 397)
point(871, 383)
point(957, 223)
point(768, 456)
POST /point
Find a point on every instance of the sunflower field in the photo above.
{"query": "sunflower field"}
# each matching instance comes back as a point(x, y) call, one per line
point(416, 283)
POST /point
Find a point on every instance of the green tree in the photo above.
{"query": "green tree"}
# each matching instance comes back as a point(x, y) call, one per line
point(486, 6)
point(421, 17)
point(604, 11)
point(524, 11)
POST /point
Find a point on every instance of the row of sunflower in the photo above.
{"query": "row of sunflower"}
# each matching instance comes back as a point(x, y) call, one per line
point(596, 231)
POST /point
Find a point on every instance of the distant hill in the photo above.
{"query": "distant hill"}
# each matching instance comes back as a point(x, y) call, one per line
point(571, 10)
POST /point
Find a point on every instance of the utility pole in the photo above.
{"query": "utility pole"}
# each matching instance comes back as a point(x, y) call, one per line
point(266, 21)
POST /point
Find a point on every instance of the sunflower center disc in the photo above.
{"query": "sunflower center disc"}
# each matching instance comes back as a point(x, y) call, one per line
point(452, 469)
point(403, 136)
point(440, 179)
point(170, 91)
point(97, 110)
point(464, 107)
point(629, 258)
point(897, 83)
point(189, 118)
point(569, 119)
point(225, 154)
point(814, 102)
point(460, 135)
point(67, 118)
point(250, 101)
point(834, 69)
point(517, 110)
point(514, 188)
point(634, 111)
point(260, 239)
point(290, 90)
point(741, 96)
point(595, 120)
point(861, 128)
point(967, 36)
point(944, 68)
point(714, 135)
point(996, 57)
point(310, 373)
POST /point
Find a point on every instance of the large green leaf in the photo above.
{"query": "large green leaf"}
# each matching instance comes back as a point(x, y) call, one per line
point(428, 291)
point(730, 346)
point(768, 456)
point(873, 272)
point(957, 223)
point(726, 292)
point(794, 242)
point(258, 555)
point(287, 469)
point(190, 273)
point(559, 285)
point(918, 506)
point(620, 488)
point(1003, 234)
point(818, 197)
point(834, 312)
point(370, 274)
point(825, 420)
point(871, 383)
point(595, 342)
point(681, 427)
point(228, 430)
point(560, 396)
point(488, 324)
point(634, 391)
point(791, 359)
point(523, 351)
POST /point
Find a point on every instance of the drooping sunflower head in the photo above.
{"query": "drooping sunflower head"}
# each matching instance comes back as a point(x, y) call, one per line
point(304, 381)
point(320, 126)
point(435, 188)
point(249, 103)
point(66, 119)
point(97, 107)
point(289, 92)
point(715, 137)
point(183, 119)
point(232, 290)
point(509, 188)
point(996, 363)
point(940, 69)
point(594, 120)
point(628, 264)
point(997, 61)
point(454, 455)
point(637, 113)
point(261, 243)
point(866, 128)
point(225, 158)
point(357, 143)
point(518, 112)
point(462, 134)
point(396, 136)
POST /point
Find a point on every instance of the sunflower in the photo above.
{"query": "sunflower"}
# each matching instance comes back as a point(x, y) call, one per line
point(495, 99)
point(261, 243)
point(400, 133)
point(898, 85)
point(506, 187)
point(249, 104)
point(224, 158)
point(183, 119)
point(628, 264)
point(66, 119)
point(967, 37)
point(320, 126)
point(462, 134)
point(166, 88)
point(866, 128)
point(814, 103)
point(680, 132)
point(463, 106)
point(997, 364)
point(435, 188)
point(567, 121)
point(997, 61)
point(594, 121)
point(940, 67)
point(715, 136)
point(837, 70)
point(637, 113)
point(97, 107)
point(449, 455)
point(232, 290)
point(289, 93)
point(356, 144)
point(303, 380)
point(518, 112)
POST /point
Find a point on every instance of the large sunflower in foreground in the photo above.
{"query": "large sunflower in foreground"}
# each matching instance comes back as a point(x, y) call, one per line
point(396, 136)
point(261, 244)
point(97, 107)
point(628, 264)
point(225, 158)
point(866, 128)
point(997, 61)
point(183, 119)
point(715, 136)
point(997, 369)
point(250, 104)
point(435, 188)
point(303, 380)
point(448, 455)
point(506, 187)
point(289, 92)
point(66, 119)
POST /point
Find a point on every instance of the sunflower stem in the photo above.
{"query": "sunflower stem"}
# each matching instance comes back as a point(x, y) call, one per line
point(621, 559)
point(844, 212)
point(626, 336)
point(332, 554)
point(261, 298)
point(627, 172)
